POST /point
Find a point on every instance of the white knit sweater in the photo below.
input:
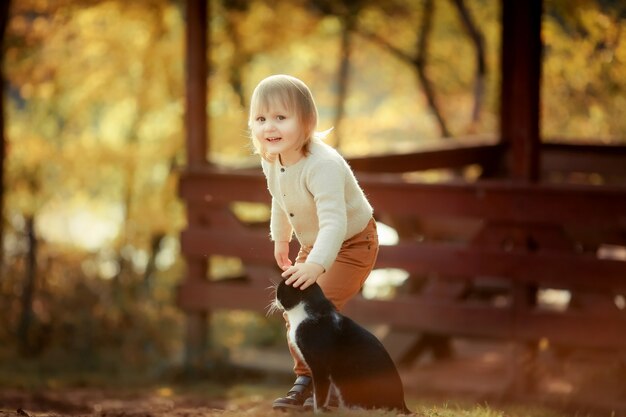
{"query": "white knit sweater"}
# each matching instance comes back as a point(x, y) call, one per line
point(319, 199)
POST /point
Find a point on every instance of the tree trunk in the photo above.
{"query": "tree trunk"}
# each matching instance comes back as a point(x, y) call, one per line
point(4, 18)
point(239, 60)
point(28, 293)
point(343, 74)
point(481, 67)
point(148, 276)
point(420, 65)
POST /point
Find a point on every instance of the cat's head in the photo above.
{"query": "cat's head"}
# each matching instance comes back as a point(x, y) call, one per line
point(287, 297)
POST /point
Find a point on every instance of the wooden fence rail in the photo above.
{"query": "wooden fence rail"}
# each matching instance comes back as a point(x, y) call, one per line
point(525, 236)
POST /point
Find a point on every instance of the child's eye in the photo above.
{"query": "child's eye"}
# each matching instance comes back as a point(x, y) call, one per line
point(260, 119)
point(280, 117)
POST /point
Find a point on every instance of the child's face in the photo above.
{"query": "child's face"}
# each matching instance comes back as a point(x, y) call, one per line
point(279, 132)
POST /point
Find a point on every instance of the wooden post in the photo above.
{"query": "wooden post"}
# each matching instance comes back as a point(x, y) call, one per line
point(519, 129)
point(521, 70)
point(196, 124)
point(196, 121)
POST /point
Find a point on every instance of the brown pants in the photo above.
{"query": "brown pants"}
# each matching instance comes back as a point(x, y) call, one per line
point(345, 277)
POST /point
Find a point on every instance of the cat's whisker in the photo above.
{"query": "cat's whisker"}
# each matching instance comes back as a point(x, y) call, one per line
point(272, 287)
point(272, 308)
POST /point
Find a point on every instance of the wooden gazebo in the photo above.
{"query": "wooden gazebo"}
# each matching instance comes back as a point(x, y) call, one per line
point(508, 227)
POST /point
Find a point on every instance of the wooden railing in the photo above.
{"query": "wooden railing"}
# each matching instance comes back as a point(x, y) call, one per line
point(453, 237)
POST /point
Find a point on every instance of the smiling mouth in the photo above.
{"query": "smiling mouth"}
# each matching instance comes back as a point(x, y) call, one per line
point(273, 139)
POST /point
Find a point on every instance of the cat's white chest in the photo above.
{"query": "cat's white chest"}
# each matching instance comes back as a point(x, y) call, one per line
point(296, 316)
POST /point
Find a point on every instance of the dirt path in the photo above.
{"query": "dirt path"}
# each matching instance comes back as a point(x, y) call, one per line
point(572, 384)
point(106, 403)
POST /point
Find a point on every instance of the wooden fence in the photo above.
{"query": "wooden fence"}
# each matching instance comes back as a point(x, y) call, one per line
point(477, 253)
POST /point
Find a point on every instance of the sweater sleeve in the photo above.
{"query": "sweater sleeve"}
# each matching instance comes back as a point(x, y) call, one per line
point(326, 182)
point(280, 228)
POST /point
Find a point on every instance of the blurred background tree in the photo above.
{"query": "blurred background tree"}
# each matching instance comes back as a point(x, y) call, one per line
point(584, 71)
point(94, 130)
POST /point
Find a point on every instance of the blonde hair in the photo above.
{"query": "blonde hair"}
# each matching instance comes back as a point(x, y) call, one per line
point(295, 96)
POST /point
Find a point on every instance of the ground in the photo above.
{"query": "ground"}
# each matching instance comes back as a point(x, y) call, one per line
point(243, 400)
point(93, 402)
point(469, 385)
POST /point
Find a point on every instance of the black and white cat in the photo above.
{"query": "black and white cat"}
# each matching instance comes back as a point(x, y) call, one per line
point(341, 355)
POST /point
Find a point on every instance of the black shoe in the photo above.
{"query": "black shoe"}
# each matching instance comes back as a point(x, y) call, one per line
point(302, 389)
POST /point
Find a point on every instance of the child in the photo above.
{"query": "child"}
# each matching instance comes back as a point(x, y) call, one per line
point(314, 195)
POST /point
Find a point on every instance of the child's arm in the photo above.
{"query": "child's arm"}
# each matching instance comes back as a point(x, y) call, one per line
point(326, 184)
point(281, 232)
point(281, 254)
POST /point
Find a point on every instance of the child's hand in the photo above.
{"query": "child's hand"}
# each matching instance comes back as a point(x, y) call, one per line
point(281, 254)
point(303, 275)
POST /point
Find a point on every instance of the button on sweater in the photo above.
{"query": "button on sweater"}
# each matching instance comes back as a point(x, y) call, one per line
point(320, 199)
